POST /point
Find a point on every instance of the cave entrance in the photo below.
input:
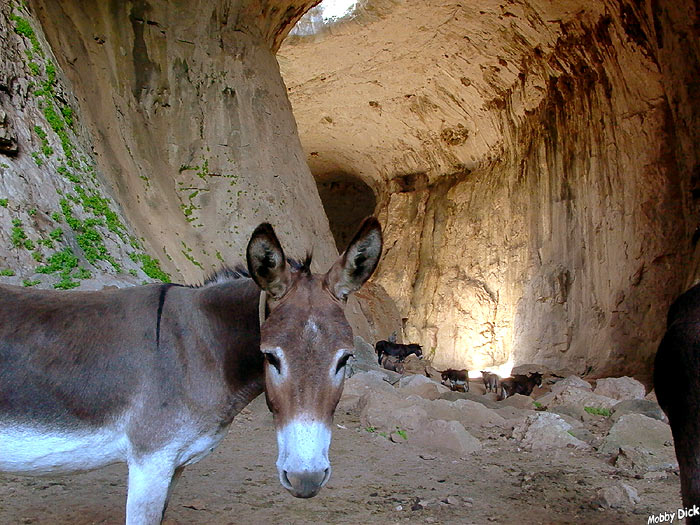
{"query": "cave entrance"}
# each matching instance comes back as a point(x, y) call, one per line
point(347, 200)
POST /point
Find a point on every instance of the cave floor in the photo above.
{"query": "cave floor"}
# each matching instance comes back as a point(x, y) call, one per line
point(374, 481)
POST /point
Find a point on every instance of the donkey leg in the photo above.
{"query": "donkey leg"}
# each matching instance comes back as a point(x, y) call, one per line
point(173, 482)
point(150, 478)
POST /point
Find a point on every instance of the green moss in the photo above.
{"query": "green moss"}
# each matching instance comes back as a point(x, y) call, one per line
point(56, 234)
point(67, 113)
point(133, 272)
point(37, 159)
point(32, 212)
point(219, 256)
point(45, 242)
point(7, 273)
point(598, 411)
point(34, 68)
point(17, 235)
point(66, 284)
point(56, 216)
point(187, 252)
point(22, 27)
point(37, 256)
point(3, 203)
point(150, 266)
point(82, 273)
point(28, 283)
point(63, 261)
point(58, 126)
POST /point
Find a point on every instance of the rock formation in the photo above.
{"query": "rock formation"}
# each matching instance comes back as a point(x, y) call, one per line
point(535, 164)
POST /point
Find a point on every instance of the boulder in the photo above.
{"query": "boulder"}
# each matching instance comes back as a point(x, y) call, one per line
point(508, 412)
point(638, 406)
point(578, 396)
point(618, 496)
point(444, 436)
point(571, 381)
point(519, 401)
point(485, 400)
point(545, 431)
point(620, 388)
point(576, 412)
point(475, 414)
point(637, 461)
point(638, 431)
point(364, 353)
point(415, 365)
point(360, 384)
point(386, 414)
point(421, 385)
point(581, 433)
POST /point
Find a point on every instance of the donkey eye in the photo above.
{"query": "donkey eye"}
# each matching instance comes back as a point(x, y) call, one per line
point(273, 360)
point(342, 362)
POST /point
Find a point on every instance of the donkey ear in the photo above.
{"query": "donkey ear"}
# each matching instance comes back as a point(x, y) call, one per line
point(266, 261)
point(359, 261)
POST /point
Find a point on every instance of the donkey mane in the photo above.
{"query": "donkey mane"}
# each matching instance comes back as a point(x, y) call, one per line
point(226, 273)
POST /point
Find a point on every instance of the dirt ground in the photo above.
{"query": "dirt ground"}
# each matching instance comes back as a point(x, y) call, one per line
point(374, 481)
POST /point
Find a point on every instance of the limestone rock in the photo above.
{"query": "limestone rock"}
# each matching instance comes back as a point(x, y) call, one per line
point(386, 413)
point(566, 273)
point(545, 431)
point(476, 414)
point(638, 431)
point(579, 397)
point(638, 406)
point(571, 381)
point(371, 382)
point(445, 436)
point(618, 496)
point(637, 461)
point(415, 365)
point(422, 386)
point(576, 412)
point(520, 401)
point(8, 137)
point(620, 388)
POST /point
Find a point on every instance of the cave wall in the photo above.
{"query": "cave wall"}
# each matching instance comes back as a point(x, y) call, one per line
point(535, 181)
point(181, 140)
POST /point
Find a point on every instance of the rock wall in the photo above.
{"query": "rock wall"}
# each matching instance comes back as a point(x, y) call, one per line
point(535, 179)
point(145, 140)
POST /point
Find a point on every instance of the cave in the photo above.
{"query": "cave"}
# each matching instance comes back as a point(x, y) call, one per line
point(346, 200)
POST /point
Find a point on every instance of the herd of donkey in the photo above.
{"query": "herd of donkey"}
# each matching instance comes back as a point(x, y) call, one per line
point(391, 356)
point(153, 375)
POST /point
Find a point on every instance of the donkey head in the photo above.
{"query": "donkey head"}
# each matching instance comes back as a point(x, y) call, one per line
point(306, 341)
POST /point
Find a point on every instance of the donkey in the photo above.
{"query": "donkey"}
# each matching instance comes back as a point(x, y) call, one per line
point(456, 379)
point(677, 386)
point(398, 350)
point(153, 375)
point(519, 384)
point(492, 382)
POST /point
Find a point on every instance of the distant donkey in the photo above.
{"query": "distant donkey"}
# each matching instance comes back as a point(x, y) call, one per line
point(677, 386)
point(153, 375)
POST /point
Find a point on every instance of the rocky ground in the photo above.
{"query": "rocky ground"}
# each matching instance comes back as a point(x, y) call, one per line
point(414, 452)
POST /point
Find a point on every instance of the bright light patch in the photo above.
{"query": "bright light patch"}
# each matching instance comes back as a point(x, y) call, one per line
point(332, 9)
point(324, 14)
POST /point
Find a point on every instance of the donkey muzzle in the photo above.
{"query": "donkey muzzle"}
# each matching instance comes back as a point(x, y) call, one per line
point(302, 460)
point(305, 484)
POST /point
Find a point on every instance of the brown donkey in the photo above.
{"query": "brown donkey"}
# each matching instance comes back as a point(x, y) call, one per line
point(153, 375)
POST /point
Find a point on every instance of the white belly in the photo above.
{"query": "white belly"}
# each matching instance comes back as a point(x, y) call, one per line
point(33, 450)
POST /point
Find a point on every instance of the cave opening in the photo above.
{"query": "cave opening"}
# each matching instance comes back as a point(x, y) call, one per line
point(347, 200)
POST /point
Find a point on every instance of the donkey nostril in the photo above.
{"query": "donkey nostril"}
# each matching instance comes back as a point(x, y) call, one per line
point(285, 480)
point(326, 476)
